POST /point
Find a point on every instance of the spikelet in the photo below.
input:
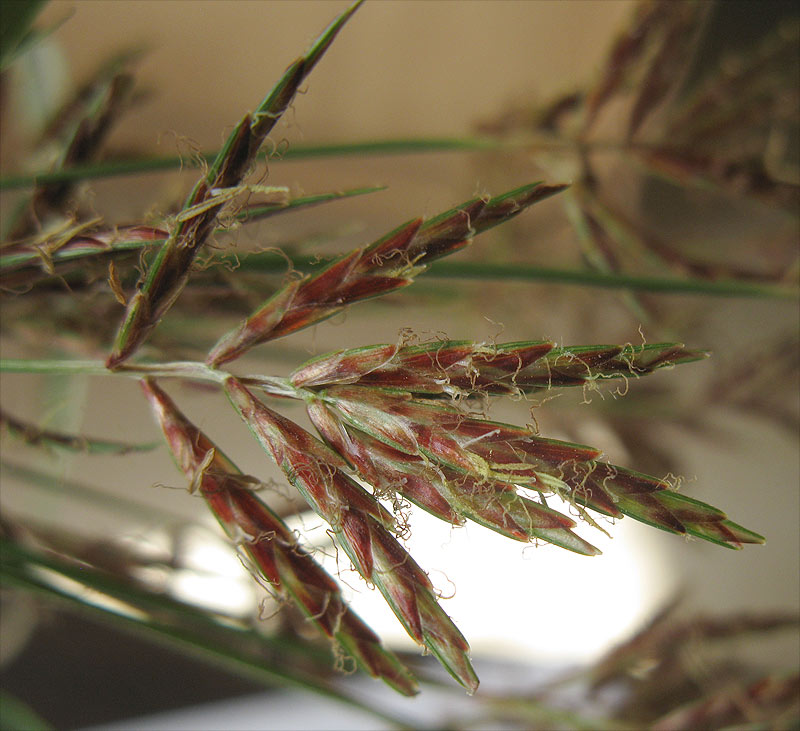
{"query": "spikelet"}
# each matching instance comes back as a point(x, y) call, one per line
point(269, 543)
point(362, 527)
point(388, 264)
point(443, 491)
point(437, 433)
point(463, 368)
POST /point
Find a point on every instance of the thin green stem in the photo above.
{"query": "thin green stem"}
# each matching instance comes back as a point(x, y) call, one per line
point(482, 271)
point(666, 285)
point(191, 370)
point(115, 168)
point(270, 262)
point(55, 367)
point(179, 369)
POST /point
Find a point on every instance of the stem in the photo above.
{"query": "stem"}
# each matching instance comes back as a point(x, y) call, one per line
point(192, 370)
point(271, 262)
point(116, 168)
point(668, 285)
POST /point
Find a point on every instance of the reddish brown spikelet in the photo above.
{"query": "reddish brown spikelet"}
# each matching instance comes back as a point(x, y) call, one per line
point(387, 264)
point(464, 368)
point(504, 207)
point(361, 525)
point(446, 233)
point(448, 492)
point(618, 491)
point(441, 431)
point(270, 544)
point(451, 367)
point(359, 275)
point(386, 469)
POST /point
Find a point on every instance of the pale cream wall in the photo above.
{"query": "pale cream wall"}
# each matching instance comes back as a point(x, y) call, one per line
point(398, 68)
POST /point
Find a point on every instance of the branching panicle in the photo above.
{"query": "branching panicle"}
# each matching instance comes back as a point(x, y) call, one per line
point(399, 422)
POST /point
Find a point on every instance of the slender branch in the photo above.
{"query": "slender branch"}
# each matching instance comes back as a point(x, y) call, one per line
point(191, 370)
point(586, 278)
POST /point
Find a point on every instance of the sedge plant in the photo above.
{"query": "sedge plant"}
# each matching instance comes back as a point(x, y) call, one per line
point(397, 423)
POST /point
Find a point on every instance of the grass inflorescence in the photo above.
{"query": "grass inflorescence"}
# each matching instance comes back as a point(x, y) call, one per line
point(395, 422)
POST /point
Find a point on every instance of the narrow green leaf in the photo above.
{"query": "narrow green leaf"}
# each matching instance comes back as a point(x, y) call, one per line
point(115, 168)
point(270, 262)
point(14, 714)
point(18, 16)
point(586, 278)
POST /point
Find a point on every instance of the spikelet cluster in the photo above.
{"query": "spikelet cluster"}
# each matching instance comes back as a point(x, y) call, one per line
point(393, 418)
point(272, 548)
point(375, 406)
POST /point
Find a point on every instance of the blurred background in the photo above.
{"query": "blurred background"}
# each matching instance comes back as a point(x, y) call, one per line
point(727, 425)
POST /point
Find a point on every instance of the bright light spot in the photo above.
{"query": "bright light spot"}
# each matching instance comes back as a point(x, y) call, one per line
point(209, 574)
point(222, 594)
point(212, 576)
point(203, 551)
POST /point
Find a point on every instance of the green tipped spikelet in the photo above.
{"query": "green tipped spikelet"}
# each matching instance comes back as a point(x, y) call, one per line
point(460, 368)
point(444, 492)
point(169, 273)
point(487, 451)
